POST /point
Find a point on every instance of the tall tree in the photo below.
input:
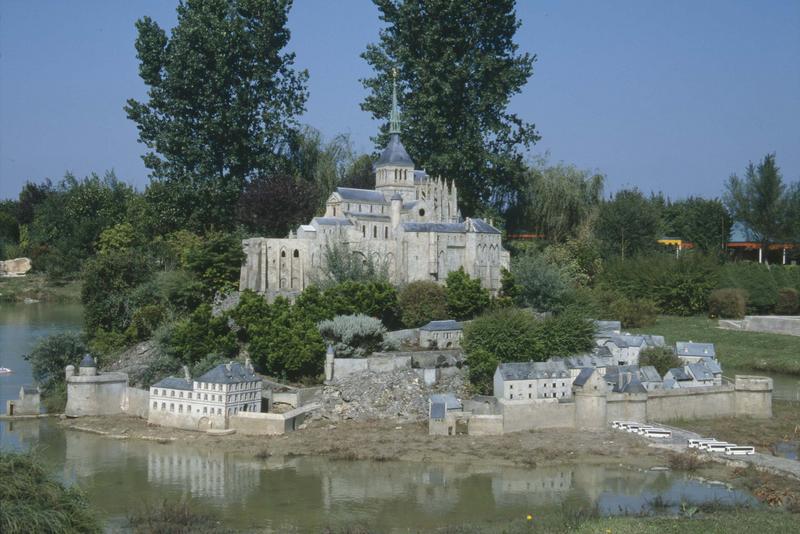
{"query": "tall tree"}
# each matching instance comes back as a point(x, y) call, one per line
point(761, 201)
point(221, 105)
point(704, 222)
point(457, 68)
point(627, 224)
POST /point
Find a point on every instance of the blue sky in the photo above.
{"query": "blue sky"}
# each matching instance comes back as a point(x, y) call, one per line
point(666, 96)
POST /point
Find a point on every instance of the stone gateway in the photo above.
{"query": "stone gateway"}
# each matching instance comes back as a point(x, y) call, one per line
point(410, 223)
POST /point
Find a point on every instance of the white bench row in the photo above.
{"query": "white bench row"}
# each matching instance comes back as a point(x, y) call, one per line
point(641, 429)
point(715, 445)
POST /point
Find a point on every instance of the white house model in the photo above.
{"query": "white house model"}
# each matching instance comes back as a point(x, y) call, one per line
point(532, 380)
point(205, 402)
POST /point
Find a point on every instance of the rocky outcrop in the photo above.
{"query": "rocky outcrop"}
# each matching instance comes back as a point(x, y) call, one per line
point(15, 267)
point(399, 395)
point(135, 361)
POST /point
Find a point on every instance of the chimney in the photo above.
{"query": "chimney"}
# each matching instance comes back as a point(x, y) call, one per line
point(186, 375)
point(248, 364)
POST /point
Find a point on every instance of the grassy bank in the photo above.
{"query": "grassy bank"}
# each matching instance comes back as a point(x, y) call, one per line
point(39, 287)
point(740, 350)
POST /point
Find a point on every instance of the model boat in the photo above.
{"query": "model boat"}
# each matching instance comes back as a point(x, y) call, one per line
point(5, 371)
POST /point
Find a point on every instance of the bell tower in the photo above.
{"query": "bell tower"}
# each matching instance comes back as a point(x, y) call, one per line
point(394, 171)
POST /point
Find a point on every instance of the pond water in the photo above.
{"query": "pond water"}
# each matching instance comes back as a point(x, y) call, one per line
point(309, 493)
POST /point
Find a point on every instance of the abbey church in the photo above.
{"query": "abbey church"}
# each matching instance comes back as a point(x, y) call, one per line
point(410, 222)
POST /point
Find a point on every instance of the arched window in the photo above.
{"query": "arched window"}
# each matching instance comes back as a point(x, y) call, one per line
point(283, 253)
point(296, 253)
point(386, 232)
point(334, 211)
point(421, 212)
point(363, 230)
point(375, 231)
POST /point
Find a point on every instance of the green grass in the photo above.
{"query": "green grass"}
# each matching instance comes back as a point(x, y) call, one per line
point(736, 350)
point(39, 287)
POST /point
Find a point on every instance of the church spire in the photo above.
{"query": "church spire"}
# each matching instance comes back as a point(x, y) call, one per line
point(394, 116)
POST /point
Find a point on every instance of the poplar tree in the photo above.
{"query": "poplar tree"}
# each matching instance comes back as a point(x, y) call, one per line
point(221, 105)
point(457, 69)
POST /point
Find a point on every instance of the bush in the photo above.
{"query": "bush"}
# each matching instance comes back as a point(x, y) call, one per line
point(757, 280)
point(788, 301)
point(192, 339)
point(465, 296)
point(354, 336)
point(662, 358)
point(542, 286)
point(634, 313)
point(52, 354)
point(216, 261)
point(32, 500)
point(422, 302)
point(727, 303)
point(144, 321)
point(515, 335)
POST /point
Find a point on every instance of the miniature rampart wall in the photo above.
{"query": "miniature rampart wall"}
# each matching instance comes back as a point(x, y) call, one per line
point(265, 424)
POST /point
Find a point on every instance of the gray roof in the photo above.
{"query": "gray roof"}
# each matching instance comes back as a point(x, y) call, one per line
point(608, 327)
point(420, 177)
point(87, 361)
point(669, 383)
point(482, 227)
point(394, 153)
point(442, 228)
point(631, 382)
point(602, 352)
point(648, 373)
point(332, 221)
point(583, 376)
point(532, 370)
point(713, 365)
point(678, 373)
point(369, 216)
point(634, 386)
point(689, 348)
point(173, 383)
point(700, 371)
point(442, 325)
point(448, 400)
point(397, 196)
point(581, 361)
point(228, 373)
point(653, 340)
point(361, 195)
point(626, 340)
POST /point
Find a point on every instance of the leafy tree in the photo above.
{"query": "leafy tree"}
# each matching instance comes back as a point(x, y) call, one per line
point(221, 106)
point(761, 201)
point(116, 238)
point(340, 264)
point(216, 261)
point(319, 162)
point(359, 173)
point(542, 286)
point(192, 339)
point(421, 302)
point(30, 197)
point(457, 69)
point(273, 205)
point(108, 281)
point(662, 358)
point(354, 336)
point(51, 355)
point(704, 222)
point(465, 296)
point(556, 200)
point(516, 335)
point(509, 288)
point(627, 225)
point(377, 298)
point(578, 258)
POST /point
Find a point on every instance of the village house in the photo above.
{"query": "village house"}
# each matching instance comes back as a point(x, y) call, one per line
point(699, 374)
point(205, 402)
point(26, 404)
point(691, 352)
point(624, 379)
point(599, 359)
point(441, 335)
point(626, 347)
point(532, 380)
point(607, 328)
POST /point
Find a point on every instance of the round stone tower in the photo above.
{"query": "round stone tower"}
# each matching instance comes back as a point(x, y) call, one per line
point(87, 367)
point(591, 396)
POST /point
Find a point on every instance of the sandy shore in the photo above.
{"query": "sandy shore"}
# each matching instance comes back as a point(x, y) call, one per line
point(381, 440)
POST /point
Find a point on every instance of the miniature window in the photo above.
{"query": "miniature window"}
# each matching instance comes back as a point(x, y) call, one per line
point(296, 253)
point(180, 408)
point(219, 411)
point(190, 394)
point(155, 392)
point(172, 393)
point(363, 231)
point(421, 212)
point(171, 406)
point(375, 231)
point(205, 409)
point(283, 253)
point(511, 386)
point(155, 405)
point(334, 211)
point(386, 232)
point(180, 394)
point(163, 406)
point(205, 396)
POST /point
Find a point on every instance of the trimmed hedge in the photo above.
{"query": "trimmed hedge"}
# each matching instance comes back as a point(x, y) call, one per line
point(788, 301)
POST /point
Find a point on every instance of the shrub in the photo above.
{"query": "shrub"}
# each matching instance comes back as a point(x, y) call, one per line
point(340, 264)
point(634, 313)
point(542, 286)
point(788, 301)
point(757, 280)
point(465, 296)
point(421, 302)
point(144, 321)
point(374, 298)
point(193, 338)
point(727, 303)
point(515, 335)
point(685, 461)
point(33, 500)
point(354, 336)
point(662, 358)
point(216, 262)
point(52, 354)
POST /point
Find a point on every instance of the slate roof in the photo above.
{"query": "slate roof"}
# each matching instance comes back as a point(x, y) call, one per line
point(420, 177)
point(448, 399)
point(228, 373)
point(173, 383)
point(634, 386)
point(689, 348)
point(648, 373)
point(394, 153)
point(441, 228)
point(532, 370)
point(369, 216)
point(582, 361)
point(332, 221)
point(653, 340)
point(87, 361)
point(361, 195)
point(700, 372)
point(713, 365)
point(679, 374)
point(583, 376)
point(608, 327)
point(482, 227)
point(669, 383)
point(631, 382)
point(625, 341)
point(442, 325)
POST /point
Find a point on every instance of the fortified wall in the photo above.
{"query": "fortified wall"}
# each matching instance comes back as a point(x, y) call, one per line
point(596, 407)
point(93, 393)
